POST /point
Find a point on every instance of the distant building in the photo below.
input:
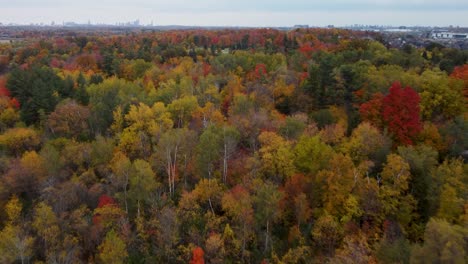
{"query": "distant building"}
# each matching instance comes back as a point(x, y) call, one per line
point(448, 35)
point(301, 26)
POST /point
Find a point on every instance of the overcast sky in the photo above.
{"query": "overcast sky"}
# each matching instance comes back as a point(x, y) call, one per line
point(239, 12)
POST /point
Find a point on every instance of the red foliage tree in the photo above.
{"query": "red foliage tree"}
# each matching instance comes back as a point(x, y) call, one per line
point(461, 73)
point(3, 90)
point(105, 200)
point(15, 103)
point(206, 69)
point(400, 112)
point(197, 256)
point(260, 70)
point(371, 111)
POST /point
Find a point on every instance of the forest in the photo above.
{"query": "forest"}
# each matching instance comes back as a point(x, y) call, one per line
point(232, 146)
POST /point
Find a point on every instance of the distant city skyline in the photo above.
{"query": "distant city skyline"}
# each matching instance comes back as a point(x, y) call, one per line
point(259, 13)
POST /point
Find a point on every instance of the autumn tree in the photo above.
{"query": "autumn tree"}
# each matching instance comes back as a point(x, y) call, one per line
point(145, 125)
point(105, 97)
point(327, 234)
point(113, 249)
point(447, 193)
point(182, 109)
point(266, 204)
point(276, 156)
point(461, 73)
point(367, 143)
point(142, 183)
point(121, 167)
point(371, 111)
point(69, 119)
point(337, 182)
point(398, 204)
point(238, 204)
point(441, 95)
point(197, 257)
point(422, 161)
point(443, 242)
point(311, 154)
point(19, 140)
point(173, 153)
point(400, 112)
point(16, 244)
point(208, 151)
point(26, 174)
point(47, 227)
point(9, 114)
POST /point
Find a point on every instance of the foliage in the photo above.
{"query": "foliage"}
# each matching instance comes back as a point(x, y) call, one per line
point(400, 112)
point(231, 146)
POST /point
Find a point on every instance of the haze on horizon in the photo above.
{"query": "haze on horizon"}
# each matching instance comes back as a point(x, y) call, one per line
point(259, 13)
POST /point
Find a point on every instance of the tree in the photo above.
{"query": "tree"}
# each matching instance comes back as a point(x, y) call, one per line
point(19, 140)
point(443, 243)
point(447, 190)
point(145, 126)
point(400, 112)
point(218, 141)
point(173, 147)
point(69, 119)
point(142, 183)
point(182, 109)
point(248, 120)
point(166, 233)
point(320, 84)
point(337, 182)
point(461, 73)
point(311, 154)
point(37, 90)
point(46, 225)
point(81, 95)
point(26, 174)
point(15, 244)
point(455, 136)
point(276, 156)
point(113, 249)
point(121, 167)
point(422, 161)
point(215, 250)
point(208, 149)
point(441, 95)
point(356, 249)
point(197, 257)
point(9, 114)
point(266, 204)
point(302, 209)
point(327, 234)
point(367, 143)
point(238, 205)
point(371, 111)
point(398, 204)
point(105, 97)
point(393, 247)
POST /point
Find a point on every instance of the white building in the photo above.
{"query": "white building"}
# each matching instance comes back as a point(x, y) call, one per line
point(448, 35)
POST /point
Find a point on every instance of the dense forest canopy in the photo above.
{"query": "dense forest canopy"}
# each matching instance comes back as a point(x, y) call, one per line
point(232, 146)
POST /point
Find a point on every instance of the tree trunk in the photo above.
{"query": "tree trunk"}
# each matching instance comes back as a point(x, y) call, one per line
point(267, 235)
point(125, 193)
point(138, 208)
point(243, 239)
point(225, 165)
